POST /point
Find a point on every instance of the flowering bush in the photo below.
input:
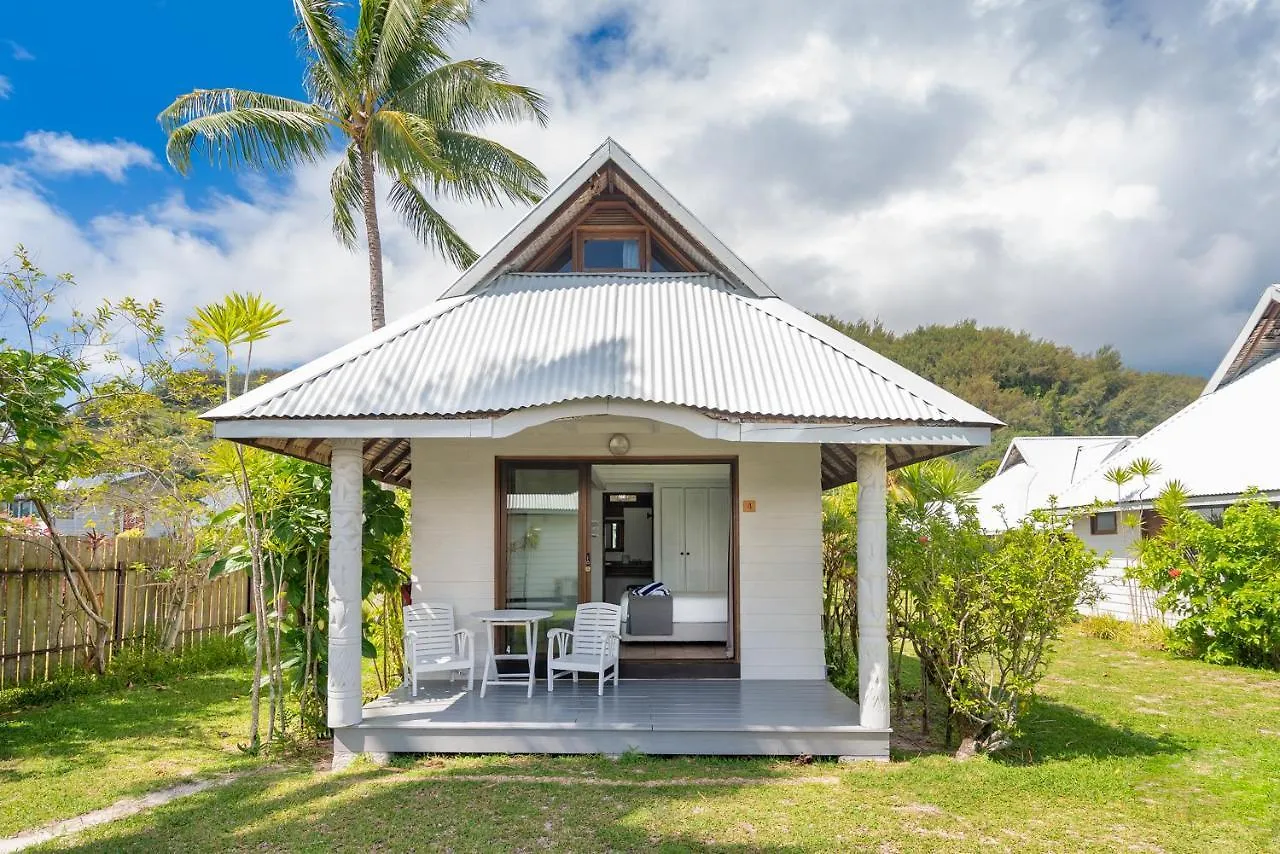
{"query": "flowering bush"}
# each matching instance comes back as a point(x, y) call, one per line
point(1223, 581)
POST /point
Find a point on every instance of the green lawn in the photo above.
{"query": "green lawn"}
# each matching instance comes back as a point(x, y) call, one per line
point(70, 757)
point(1128, 750)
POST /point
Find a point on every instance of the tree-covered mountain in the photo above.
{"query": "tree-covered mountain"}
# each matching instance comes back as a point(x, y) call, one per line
point(1035, 386)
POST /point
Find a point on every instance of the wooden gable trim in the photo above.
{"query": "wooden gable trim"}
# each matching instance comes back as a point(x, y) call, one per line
point(610, 215)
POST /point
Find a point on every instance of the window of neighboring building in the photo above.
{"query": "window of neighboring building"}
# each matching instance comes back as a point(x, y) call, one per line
point(22, 508)
point(1103, 523)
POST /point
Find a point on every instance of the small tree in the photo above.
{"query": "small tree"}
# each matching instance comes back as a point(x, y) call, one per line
point(245, 319)
point(63, 366)
point(982, 613)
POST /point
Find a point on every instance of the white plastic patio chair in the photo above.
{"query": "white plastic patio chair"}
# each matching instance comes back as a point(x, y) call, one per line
point(592, 646)
point(433, 645)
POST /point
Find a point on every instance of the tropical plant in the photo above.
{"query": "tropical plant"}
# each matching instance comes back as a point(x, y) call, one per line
point(981, 613)
point(243, 319)
point(1221, 580)
point(389, 91)
point(291, 503)
point(840, 582)
point(63, 364)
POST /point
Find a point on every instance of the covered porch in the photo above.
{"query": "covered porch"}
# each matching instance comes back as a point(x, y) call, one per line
point(726, 717)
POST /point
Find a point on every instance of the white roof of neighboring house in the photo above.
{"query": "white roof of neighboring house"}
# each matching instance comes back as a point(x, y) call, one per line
point(1222, 443)
point(1036, 470)
point(1217, 447)
point(718, 343)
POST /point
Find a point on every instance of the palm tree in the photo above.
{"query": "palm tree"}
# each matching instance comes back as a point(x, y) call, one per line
point(390, 93)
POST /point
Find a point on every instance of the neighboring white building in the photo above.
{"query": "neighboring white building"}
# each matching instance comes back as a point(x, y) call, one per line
point(1217, 447)
point(611, 345)
point(1036, 471)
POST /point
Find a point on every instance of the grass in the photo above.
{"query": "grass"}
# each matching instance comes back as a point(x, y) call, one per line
point(1128, 749)
point(74, 755)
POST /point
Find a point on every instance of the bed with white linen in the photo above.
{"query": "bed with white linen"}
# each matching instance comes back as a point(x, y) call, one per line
point(695, 618)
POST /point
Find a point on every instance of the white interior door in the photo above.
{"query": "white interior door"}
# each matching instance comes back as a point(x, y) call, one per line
point(697, 531)
point(670, 510)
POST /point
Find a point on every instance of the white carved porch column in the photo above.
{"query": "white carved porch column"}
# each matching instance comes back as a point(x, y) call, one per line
point(873, 585)
point(345, 519)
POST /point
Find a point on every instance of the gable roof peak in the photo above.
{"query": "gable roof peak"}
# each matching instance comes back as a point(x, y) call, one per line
point(558, 207)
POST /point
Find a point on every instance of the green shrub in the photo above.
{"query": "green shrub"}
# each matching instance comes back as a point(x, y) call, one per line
point(983, 613)
point(1105, 627)
point(1223, 581)
point(141, 664)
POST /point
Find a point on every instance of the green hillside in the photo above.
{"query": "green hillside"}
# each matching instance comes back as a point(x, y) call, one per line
point(1036, 387)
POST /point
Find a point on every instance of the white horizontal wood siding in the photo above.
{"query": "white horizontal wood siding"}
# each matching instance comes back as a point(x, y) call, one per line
point(781, 563)
point(1121, 597)
point(780, 547)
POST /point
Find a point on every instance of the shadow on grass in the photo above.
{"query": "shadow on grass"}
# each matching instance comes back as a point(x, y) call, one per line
point(376, 809)
point(1055, 732)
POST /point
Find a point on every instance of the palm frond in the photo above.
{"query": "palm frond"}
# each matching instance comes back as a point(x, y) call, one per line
point(259, 315)
point(345, 188)
point(483, 170)
point(428, 224)
point(406, 144)
point(469, 94)
point(320, 33)
point(241, 127)
point(414, 38)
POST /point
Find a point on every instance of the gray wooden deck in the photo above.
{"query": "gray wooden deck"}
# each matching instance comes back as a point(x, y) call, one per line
point(725, 717)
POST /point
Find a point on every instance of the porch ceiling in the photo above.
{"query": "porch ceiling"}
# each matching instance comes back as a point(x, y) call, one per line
point(387, 460)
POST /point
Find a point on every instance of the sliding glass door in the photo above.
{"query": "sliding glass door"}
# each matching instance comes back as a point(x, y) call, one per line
point(543, 563)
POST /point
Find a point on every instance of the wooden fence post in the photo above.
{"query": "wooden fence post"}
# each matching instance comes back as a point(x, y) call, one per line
point(117, 617)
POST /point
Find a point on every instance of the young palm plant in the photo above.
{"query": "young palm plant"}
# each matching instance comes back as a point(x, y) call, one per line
point(389, 92)
point(245, 319)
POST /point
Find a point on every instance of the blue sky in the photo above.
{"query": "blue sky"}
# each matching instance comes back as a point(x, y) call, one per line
point(1094, 172)
point(109, 75)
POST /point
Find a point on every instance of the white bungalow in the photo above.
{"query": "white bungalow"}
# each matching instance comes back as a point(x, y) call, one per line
point(1217, 447)
point(611, 396)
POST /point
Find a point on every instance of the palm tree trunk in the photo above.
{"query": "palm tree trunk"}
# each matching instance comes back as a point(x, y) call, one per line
point(377, 307)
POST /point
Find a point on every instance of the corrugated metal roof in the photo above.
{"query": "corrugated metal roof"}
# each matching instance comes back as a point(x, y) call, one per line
point(1219, 445)
point(1036, 468)
point(539, 339)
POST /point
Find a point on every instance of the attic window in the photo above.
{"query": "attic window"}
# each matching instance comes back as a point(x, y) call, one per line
point(610, 237)
point(613, 252)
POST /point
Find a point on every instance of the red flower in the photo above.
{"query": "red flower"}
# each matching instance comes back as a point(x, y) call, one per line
point(924, 538)
point(1174, 573)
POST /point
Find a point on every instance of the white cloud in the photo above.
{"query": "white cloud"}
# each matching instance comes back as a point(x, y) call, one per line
point(20, 53)
point(6, 87)
point(1095, 174)
point(63, 154)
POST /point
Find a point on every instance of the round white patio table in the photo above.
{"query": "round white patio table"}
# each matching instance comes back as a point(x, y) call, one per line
point(514, 617)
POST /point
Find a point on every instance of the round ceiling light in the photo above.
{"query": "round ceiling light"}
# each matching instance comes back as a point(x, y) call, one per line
point(619, 444)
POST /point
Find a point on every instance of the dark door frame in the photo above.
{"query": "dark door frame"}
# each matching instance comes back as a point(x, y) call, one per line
point(583, 464)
